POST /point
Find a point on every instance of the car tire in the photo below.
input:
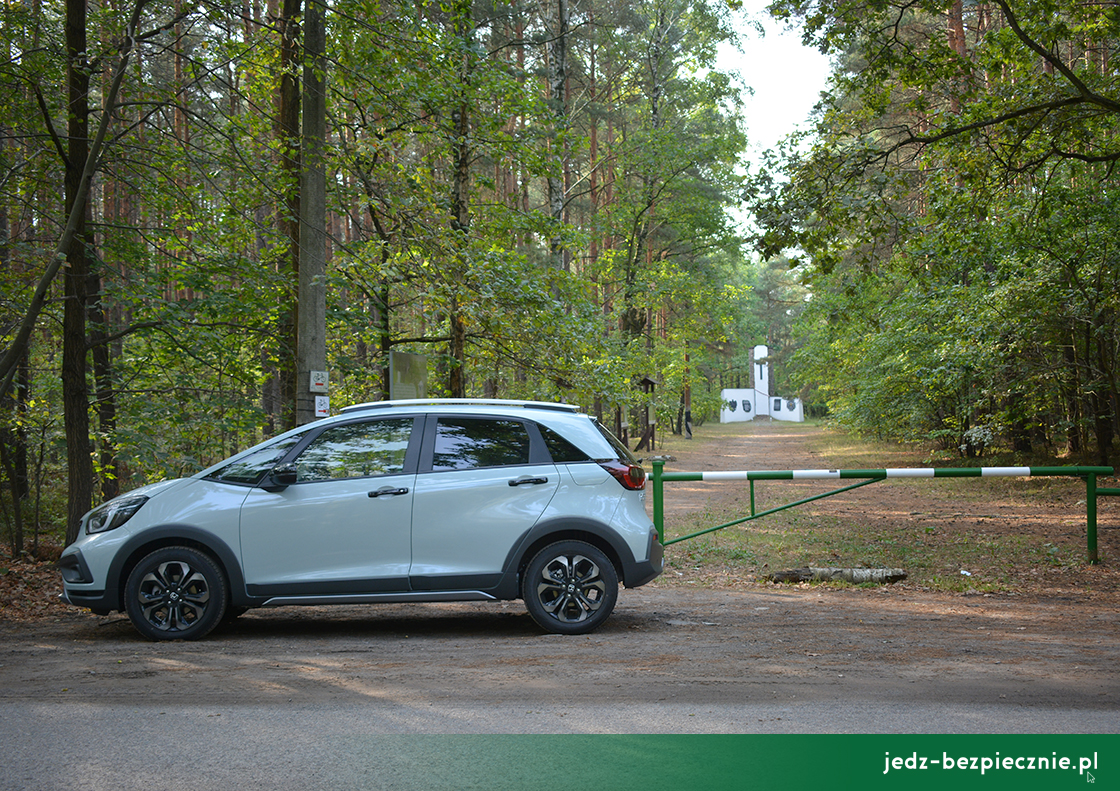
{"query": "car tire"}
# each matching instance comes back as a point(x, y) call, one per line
point(176, 593)
point(570, 587)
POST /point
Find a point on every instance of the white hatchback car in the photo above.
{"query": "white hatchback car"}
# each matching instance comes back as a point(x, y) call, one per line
point(394, 501)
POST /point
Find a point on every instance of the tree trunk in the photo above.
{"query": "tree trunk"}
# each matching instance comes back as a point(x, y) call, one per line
point(958, 44)
point(956, 28)
point(1073, 406)
point(288, 131)
point(17, 478)
point(855, 576)
point(311, 348)
point(1102, 398)
point(7, 447)
point(558, 104)
point(385, 337)
point(460, 203)
point(75, 398)
point(457, 377)
point(380, 299)
point(104, 392)
point(1020, 431)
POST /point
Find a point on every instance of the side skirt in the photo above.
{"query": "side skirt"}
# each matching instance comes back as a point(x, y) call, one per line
point(380, 598)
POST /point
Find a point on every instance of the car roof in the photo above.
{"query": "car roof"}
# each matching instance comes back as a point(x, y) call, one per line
point(425, 403)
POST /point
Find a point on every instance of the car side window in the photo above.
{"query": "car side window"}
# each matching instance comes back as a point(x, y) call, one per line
point(560, 449)
point(356, 450)
point(466, 443)
point(251, 468)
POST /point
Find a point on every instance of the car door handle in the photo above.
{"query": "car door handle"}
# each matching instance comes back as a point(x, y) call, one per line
point(519, 481)
point(388, 490)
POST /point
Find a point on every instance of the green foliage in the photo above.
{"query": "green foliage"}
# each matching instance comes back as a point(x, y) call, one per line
point(956, 213)
point(194, 271)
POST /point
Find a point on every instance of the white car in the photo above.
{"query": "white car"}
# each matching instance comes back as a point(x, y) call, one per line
point(394, 501)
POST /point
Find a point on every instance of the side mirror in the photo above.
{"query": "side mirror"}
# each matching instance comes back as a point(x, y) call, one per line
point(279, 478)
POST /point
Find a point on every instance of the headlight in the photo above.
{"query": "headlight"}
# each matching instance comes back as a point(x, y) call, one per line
point(113, 514)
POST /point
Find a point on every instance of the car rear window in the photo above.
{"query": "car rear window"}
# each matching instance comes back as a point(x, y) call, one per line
point(623, 452)
point(562, 451)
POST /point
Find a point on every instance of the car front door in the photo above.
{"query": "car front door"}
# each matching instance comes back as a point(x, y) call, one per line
point(344, 526)
point(482, 483)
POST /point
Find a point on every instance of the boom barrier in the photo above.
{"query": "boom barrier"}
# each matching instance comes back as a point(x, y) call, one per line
point(865, 477)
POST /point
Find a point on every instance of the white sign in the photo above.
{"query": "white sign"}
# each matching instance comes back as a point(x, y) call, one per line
point(322, 406)
point(319, 381)
point(408, 375)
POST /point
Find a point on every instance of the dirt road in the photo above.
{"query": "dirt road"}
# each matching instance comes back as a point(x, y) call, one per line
point(663, 644)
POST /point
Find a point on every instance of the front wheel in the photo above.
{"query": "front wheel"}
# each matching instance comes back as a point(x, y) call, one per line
point(176, 593)
point(570, 587)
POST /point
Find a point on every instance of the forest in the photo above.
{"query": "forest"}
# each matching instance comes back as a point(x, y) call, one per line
point(201, 203)
point(954, 213)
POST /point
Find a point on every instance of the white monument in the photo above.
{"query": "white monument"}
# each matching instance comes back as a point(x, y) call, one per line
point(742, 404)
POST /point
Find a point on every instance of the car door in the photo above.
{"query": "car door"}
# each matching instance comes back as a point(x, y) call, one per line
point(344, 526)
point(482, 483)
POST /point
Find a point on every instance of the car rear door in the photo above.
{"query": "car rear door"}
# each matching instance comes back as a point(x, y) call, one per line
point(482, 483)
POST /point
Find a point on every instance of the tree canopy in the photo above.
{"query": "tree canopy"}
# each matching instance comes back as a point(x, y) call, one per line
point(533, 195)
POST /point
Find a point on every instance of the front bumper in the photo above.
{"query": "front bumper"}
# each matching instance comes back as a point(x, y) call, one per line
point(75, 573)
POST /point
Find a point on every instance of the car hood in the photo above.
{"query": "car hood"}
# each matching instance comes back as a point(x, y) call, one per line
point(150, 490)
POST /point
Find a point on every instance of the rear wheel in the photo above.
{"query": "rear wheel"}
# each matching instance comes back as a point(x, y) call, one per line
point(176, 593)
point(570, 587)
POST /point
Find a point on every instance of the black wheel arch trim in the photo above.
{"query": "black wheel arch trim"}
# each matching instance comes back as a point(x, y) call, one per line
point(171, 535)
point(631, 572)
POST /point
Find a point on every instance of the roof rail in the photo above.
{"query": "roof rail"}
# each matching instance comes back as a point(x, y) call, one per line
point(462, 402)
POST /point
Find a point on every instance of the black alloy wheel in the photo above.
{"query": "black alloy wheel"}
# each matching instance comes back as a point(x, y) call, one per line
point(176, 593)
point(570, 587)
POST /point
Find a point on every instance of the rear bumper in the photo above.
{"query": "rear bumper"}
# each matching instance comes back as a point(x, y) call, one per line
point(642, 571)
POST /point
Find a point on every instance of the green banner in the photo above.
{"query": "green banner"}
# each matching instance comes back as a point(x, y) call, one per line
point(726, 762)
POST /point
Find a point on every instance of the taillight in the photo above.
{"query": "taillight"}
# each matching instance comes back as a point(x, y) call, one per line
point(631, 476)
